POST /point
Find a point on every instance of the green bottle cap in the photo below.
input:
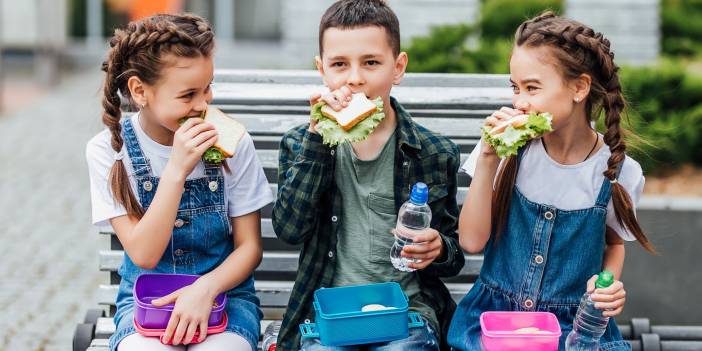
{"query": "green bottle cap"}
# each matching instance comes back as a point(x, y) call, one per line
point(604, 279)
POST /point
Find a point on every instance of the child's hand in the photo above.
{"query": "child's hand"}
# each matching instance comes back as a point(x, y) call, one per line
point(190, 141)
point(337, 100)
point(193, 305)
point(610, 299)
point(503, 114)
point(427, 248)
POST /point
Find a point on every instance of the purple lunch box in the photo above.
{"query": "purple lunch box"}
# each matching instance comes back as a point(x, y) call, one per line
point(149, 287)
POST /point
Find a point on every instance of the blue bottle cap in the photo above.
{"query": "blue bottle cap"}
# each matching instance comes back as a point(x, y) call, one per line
point(420, 194)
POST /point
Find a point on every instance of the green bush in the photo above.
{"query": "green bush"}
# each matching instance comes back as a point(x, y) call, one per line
point(681, 27)
point(665, 110)
point(499, 19)
point(445, 50)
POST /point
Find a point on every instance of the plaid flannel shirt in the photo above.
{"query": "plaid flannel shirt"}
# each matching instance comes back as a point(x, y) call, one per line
point(307, 212)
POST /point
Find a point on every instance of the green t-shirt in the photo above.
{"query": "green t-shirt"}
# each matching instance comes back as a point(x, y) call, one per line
point(367, 216)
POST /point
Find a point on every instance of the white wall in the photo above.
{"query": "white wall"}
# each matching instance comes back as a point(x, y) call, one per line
point(632, 26)
point(27, 23)
point(300, 22)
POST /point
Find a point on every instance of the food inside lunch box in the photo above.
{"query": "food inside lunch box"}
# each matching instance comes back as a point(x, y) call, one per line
point(375, 307)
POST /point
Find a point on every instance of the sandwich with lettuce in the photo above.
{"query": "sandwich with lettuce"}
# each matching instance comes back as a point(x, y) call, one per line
point(508, 136)
point(229, 133)
point(353, 123)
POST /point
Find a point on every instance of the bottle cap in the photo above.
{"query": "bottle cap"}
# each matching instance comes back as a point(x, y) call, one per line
point(420, 194)
point(604, 279)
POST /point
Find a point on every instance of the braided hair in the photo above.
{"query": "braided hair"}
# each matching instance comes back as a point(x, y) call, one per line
point(139, 50)
point(578, 49)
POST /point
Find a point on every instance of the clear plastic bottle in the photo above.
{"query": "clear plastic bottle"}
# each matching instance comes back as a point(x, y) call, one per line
point(414, 216)
point(589, 323)
point(270, 336)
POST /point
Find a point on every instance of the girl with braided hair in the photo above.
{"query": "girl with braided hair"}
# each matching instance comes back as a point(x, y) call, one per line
point(172, 212)
point(552, 217)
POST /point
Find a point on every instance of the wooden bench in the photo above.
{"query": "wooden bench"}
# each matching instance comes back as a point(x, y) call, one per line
point(271, 102)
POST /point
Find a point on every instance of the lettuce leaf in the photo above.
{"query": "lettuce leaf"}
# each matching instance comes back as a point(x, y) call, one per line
point(508, 143)
point(213, 155)
point(332, 134)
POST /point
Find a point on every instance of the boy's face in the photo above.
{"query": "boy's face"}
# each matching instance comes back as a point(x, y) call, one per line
point(362, 59)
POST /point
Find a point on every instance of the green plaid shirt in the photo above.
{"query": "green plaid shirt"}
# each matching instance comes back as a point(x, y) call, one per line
point(307, 212)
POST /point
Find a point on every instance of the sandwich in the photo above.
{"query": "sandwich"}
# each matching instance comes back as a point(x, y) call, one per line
point(353, 123)
point(508, 136)
point(229, 134)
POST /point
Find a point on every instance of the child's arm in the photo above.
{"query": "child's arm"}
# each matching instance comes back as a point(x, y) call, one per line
point(475, 221)
point(146, 239)
point(243, 261)
point(613, 260)
point(612, 298)
point(193, 303)
point(305, 175)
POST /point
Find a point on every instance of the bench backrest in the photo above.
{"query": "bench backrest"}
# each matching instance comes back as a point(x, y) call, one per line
point(271, 102)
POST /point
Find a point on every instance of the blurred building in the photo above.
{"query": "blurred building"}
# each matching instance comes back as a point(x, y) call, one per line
point(278, 33)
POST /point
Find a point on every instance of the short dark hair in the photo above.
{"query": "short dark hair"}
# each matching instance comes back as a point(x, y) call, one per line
point(349, 14)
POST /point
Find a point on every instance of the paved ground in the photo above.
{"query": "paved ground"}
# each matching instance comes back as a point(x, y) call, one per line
point(48, 256)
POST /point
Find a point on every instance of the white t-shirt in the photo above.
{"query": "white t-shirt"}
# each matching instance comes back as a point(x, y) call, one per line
point(570, 187)
point(246, 187)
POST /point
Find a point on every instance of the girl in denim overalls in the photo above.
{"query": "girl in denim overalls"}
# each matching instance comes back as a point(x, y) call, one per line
point(171, 212)
point(560, 209)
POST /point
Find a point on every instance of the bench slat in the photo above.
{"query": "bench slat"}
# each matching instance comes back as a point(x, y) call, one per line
point(246, 76)
point(269, 159)
point(99, 345)
point(271, 124)
point(237, 109)
point(276, 261)
point(273, 294)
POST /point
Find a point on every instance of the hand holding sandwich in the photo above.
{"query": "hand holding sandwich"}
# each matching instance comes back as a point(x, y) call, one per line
point(341, 116)
point(507, 130)
point(498, 117)
point(190, 141)
point(337, 100)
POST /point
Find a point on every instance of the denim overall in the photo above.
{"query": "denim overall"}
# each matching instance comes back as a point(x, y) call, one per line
point(541, 262)
point(201, 241)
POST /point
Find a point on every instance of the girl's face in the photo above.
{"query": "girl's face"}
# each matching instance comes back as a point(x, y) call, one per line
point(539, 87)
point(183, 90)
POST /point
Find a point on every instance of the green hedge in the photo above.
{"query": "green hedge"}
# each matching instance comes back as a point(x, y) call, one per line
point(445, 50)
point(665, 110)
point(500, 18)
point(681, 27)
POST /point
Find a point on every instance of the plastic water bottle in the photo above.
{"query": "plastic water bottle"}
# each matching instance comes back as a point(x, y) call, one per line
point(589, 323)
point(270, 336)
point(414, 216)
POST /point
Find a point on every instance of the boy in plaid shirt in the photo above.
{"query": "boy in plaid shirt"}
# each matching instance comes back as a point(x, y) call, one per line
point(341, 202)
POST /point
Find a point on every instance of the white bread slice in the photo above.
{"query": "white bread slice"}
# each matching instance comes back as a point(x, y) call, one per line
point(515, 122)
point(229, 130)
point(358, 109)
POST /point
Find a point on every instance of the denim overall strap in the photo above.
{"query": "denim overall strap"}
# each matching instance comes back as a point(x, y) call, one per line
point(139, 162)
point(606, 189)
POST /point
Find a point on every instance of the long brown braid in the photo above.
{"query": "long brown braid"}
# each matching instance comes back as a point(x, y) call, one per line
point(579, 50)
point(139, 50)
